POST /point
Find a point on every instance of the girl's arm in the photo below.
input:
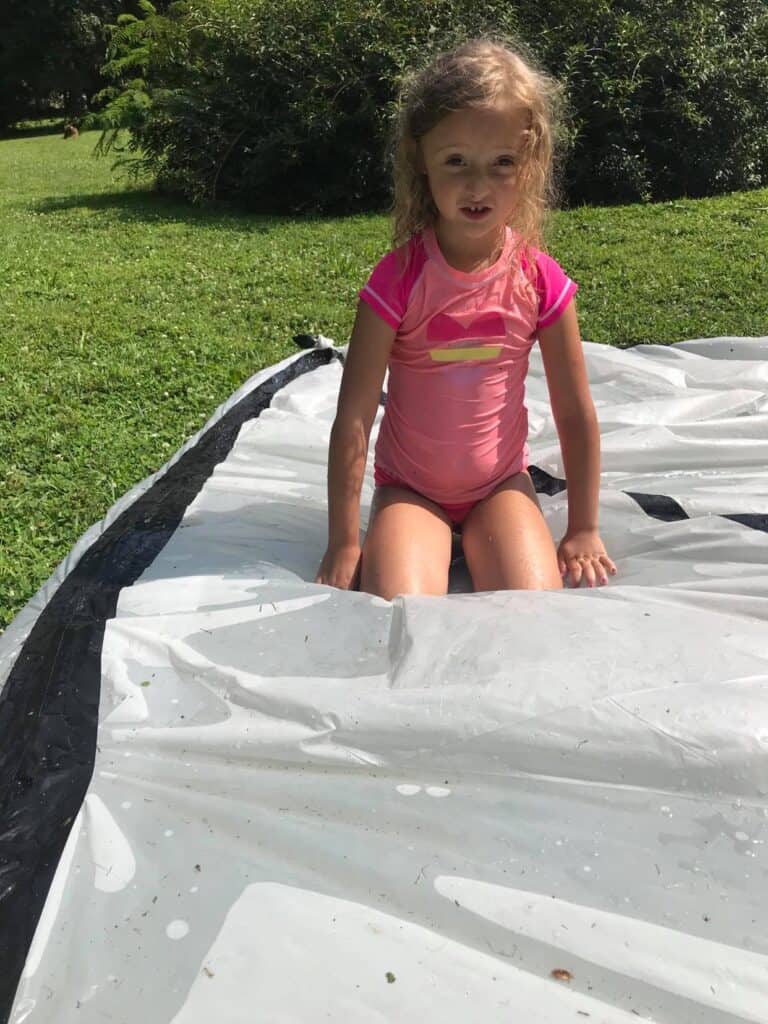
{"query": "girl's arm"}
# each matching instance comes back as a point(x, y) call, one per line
point(370, 345)
point(581, 551)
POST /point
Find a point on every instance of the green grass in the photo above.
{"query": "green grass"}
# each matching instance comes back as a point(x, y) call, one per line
point(127, 317)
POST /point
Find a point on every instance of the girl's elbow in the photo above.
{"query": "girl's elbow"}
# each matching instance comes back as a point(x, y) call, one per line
point(349, 427)
point(353, 417)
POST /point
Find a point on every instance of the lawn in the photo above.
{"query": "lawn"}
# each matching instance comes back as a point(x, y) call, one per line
point(128, 317)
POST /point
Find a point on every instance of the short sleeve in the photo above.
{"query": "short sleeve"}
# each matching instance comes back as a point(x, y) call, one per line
point(381, 291)
point(555, 289)
point(389, 287)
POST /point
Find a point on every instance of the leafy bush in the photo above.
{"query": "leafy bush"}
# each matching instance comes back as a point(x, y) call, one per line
point(671, 96)
point(286, 107)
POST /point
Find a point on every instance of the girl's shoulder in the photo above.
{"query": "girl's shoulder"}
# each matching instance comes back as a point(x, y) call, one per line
point(554, 288)
point(392, 280)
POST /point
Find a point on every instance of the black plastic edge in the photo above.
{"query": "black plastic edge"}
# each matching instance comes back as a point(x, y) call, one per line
point(754, 520)
point(659, 506)
point(49, 704)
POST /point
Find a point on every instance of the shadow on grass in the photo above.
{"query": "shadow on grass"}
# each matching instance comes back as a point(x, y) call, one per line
point(147, 206)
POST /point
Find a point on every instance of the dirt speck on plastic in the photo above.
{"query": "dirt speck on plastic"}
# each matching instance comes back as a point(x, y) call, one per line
point(560, 974)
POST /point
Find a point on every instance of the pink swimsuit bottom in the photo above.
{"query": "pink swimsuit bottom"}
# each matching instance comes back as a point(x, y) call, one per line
point(456, 513)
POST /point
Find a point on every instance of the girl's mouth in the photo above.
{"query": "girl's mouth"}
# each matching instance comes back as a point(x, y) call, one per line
point(475, 212)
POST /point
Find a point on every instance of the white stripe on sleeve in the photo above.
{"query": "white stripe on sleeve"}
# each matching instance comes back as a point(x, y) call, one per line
point(555, 304)
point(382, 303)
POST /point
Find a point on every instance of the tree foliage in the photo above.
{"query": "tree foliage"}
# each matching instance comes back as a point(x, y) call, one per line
point(51, 55)
point(288, 106)
point(671, 96)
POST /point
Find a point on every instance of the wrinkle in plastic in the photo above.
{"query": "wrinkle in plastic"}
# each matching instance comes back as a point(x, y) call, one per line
point(310, 804)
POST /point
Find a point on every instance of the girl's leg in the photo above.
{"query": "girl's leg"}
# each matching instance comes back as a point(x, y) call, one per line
point(407, 548)
point(507, 544)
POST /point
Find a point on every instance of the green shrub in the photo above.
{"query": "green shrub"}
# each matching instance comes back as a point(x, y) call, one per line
point(671, 96)
point(286, 107)
point(283, 107)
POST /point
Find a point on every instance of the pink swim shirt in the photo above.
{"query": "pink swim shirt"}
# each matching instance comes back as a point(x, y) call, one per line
point(455, 424)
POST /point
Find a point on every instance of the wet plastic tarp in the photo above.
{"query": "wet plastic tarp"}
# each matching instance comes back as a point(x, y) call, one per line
point(231, 794)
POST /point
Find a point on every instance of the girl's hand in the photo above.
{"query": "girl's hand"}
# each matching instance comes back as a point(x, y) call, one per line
point(583, 555)
point(340, 567)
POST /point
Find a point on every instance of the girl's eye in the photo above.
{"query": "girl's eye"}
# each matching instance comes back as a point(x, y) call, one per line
point(453, 161)
point(507, 161)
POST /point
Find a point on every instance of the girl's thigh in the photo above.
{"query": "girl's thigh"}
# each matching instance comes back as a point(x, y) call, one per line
point(407, 548)
point(507, 543)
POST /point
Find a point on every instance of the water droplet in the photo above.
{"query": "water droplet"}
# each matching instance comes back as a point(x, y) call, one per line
point(177, 929)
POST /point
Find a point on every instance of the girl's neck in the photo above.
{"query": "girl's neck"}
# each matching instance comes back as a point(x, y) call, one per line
point(469, 256)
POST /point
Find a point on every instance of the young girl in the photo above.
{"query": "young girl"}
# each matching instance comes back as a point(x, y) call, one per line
point(453, 311)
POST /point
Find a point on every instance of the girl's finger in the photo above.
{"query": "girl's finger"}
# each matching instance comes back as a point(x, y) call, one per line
point(598, 571)
point(609, 565)
point(589, 573)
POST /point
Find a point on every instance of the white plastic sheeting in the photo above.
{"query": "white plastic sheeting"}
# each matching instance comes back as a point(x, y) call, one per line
point(314, 805)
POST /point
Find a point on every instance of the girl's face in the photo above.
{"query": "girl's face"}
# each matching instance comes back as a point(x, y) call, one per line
point(470, 158)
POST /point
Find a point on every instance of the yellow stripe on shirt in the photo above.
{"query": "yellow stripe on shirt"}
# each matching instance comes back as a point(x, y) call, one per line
point(460, 355)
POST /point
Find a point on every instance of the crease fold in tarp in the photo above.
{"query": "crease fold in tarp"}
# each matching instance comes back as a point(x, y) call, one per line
point(231, 793)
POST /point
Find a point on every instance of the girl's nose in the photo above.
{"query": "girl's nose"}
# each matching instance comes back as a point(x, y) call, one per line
point(475, 183)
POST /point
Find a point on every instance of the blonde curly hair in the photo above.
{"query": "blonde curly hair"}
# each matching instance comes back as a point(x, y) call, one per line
point(480, 73)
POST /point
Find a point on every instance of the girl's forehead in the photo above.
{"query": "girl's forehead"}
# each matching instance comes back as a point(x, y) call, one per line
point(484, 125)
